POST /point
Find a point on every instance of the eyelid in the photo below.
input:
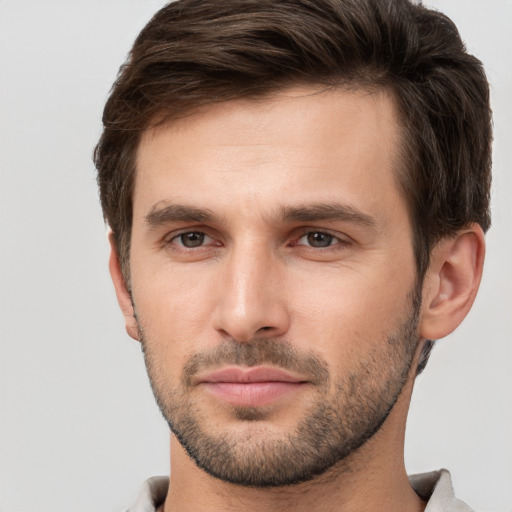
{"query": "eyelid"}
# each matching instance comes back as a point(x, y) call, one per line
point(170, 238)
point(203, 244)
point(341, 238)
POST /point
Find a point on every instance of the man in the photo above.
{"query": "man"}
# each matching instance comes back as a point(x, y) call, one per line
point(297, 193)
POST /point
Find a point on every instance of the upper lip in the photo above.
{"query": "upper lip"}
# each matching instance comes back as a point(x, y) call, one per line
point(249, 375)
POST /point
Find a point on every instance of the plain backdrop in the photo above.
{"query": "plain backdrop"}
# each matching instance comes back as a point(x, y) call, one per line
point(79, 428)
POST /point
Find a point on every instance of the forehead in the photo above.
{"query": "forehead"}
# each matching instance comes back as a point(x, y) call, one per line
point(301, 142)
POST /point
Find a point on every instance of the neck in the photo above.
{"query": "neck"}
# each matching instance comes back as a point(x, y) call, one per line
point(372, 478)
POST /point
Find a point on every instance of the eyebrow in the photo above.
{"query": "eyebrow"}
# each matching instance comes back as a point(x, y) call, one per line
point(163, 212)
point(327, 211)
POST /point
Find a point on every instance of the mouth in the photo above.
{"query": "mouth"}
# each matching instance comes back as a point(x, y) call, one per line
point(250, 387)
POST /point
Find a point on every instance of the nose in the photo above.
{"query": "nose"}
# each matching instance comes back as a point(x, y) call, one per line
point(251, 300)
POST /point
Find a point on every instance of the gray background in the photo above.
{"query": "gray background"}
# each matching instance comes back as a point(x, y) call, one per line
point(79, 429)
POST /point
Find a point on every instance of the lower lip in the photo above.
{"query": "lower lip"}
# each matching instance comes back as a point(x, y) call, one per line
point(251, 394)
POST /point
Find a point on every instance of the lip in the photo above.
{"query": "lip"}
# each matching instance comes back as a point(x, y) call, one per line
point(250, 387)
point(249, 375)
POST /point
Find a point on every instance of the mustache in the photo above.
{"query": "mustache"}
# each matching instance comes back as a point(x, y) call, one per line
point(259, 351)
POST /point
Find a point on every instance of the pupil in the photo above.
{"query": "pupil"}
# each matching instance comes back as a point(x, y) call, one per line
point(192, 239)
point(319, 239)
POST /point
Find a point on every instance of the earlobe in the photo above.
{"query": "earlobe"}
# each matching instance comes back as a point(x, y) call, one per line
point(451, 282)
point(122, 293)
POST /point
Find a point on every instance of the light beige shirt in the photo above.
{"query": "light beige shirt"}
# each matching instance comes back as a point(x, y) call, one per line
point(435, 488)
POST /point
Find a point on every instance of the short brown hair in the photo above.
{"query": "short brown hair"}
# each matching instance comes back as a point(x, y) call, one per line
point(196, 52)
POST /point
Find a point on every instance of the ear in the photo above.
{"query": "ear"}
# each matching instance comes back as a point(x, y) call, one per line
point(122, 293)
point(451, 282)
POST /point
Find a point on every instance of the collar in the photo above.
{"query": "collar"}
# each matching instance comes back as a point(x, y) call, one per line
point(434, 487)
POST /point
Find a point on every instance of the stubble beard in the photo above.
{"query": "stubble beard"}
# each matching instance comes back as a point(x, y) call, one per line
point(345, 414)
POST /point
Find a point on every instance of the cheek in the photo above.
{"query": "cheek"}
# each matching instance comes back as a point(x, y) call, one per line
point(347, 313)
point(173, 308)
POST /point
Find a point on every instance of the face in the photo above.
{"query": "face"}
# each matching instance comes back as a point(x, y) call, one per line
point(273, 280)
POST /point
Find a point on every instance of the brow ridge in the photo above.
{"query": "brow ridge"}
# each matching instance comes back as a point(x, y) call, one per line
point(163, 212)
point(327, 211)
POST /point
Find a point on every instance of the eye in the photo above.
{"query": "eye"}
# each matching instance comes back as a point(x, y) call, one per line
point(318, 239)
point(191, 239)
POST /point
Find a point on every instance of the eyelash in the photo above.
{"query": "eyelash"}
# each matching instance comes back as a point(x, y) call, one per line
point(305, 234)
point(334, 241)
point(182, 246)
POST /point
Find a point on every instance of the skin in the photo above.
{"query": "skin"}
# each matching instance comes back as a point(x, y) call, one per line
point(256, 276)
